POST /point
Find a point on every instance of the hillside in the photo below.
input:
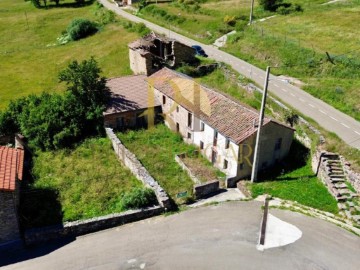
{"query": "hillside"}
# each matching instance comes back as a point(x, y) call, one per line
point(30, 59)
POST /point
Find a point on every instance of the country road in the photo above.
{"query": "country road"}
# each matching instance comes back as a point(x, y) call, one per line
point(347, 128)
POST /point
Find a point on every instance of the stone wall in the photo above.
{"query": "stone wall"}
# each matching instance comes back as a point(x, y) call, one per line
point(9, 229)
point(185, 168)
point(183, 53)
point(353, 177)
point(203, 190)
point(76, 228)
point(135, 166)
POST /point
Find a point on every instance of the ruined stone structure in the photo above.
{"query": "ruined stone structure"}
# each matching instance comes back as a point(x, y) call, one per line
point(152, 52)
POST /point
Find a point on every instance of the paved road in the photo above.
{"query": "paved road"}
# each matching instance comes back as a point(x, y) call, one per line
point(331, 119)
point(213, 237)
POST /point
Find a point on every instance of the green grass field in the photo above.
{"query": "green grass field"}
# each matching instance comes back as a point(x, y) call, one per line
point(156, 149)
point(29, 60)
point(88, 179)
point(297, 43)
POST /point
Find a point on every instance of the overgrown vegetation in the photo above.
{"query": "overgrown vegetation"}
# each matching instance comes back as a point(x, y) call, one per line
point(156, 148)
point(80, 183)
point(53, 121)
point(296, 181)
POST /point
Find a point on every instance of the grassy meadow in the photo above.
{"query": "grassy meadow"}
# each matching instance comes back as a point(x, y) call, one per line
point(88, 181)
point(30, 60)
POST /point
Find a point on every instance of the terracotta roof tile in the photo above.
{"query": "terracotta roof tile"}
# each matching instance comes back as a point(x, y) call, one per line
point(11, 166)
point(129, 93)
point(229, 117)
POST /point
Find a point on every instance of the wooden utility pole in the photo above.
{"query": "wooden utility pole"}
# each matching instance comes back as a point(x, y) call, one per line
point(261, 118)
point(251, 11)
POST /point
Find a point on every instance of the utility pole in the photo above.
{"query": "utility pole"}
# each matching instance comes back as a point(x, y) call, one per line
point(251, 12)
point(261, 118)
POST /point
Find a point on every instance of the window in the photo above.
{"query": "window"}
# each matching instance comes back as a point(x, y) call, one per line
point(189, 135)
point(278, 144)
point(213, 157)
point(215, 137)
point(227, 143)
point(225, 164)
point(202, 126)
point(177, 127)
point(177, 108)
point(164, 100)
point(189, 120)
point(241, 166)
point(201, 145)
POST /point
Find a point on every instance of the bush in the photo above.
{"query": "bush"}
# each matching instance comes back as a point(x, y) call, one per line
point(137, 27)
point(230, 20)
point(139, 198)
point(81, 28)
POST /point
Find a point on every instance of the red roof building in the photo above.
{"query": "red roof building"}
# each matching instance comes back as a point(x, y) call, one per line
point(11, 167)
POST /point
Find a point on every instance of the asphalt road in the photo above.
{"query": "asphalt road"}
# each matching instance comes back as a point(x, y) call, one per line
point(213, 237)
point(329, 118)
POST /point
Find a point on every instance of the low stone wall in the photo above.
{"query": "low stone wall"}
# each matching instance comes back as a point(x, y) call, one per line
point(76, 228)
point(203, 190)
point(9, 230)
point(231, 182)
point(185, 168)
point(135, 166)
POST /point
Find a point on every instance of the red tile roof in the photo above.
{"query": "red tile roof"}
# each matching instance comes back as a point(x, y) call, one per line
point(129, 93)
point(11, 167)
point(229, 117)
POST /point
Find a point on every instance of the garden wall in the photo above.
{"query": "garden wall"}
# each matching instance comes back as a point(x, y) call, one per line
point(76, 228)
point(203, 190)
point(184, 167)
point(135, 166)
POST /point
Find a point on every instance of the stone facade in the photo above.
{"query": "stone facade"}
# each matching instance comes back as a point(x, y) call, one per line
point(81, 227)
point(9, 229)
point(135, 166)
point(152, 52)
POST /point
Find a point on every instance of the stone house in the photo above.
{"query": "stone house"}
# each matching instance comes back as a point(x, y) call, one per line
point(222, 128)
point(11, 172)
point(129, 103)
point(152, 52)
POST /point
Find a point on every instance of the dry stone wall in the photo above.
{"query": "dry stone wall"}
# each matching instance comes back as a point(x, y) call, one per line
point(135, 166)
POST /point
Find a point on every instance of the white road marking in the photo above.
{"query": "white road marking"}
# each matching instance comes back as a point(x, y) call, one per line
point(357, 132)
point(322, 111)
point(345, 125)
point(333, 118)
point(311, 105)
point(284, 89)
point(292, 94)
point(302, 100)
point(276, 85)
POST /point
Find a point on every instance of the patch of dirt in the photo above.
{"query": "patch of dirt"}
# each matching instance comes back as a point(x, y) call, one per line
point(202, 172)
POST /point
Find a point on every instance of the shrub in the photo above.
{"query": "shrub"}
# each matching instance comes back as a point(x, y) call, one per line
point(230, 20)
point(81, 28)
point(270, 5)
point(139, 198)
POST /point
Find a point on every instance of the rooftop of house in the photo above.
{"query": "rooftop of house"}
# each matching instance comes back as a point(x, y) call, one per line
point(11, 167)
point(142, 45)
point(229, 117)
point(129, 93)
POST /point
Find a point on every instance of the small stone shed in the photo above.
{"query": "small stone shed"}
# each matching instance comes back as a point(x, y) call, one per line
point(11, 172)
point(152, 52)
point(130, 104)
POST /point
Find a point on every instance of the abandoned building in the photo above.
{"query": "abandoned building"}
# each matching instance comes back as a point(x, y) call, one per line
point(129, 103)
point(11, 172)
point(152, 52)
point(223, 129)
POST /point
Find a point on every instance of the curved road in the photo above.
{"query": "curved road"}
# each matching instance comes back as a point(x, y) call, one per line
point(213, 237)
point(329, 118)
